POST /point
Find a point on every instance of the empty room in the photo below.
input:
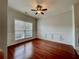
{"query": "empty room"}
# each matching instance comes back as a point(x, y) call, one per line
point(39, 29)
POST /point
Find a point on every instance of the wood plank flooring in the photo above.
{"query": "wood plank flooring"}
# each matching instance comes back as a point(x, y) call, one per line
point(1, 55)
point(41, 49)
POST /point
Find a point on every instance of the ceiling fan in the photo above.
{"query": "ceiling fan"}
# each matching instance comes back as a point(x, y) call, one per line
point(39, 10)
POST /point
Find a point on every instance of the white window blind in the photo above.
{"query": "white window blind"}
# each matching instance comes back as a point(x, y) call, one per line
point(22, 29)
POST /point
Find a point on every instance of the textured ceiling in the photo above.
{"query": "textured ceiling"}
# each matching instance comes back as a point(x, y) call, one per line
point(54, 6)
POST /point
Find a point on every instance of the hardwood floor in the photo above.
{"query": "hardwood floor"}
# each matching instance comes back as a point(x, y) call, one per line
point(41, 49)
point(1, 55)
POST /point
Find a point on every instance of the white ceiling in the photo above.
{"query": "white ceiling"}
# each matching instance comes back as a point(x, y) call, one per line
point(54, 6)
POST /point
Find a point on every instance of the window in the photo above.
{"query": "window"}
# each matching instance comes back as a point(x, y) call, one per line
point(22, 29)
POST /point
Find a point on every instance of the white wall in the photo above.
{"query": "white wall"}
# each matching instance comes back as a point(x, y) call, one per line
point(76, 10)
point(57, 28)
point(12, 15)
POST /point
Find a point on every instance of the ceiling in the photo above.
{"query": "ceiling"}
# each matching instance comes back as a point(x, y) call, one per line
point(54, 6)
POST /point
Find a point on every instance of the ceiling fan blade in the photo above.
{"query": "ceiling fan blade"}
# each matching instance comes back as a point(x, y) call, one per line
point(42, 13)
point(36, 13)
point(33, 10)
point(44, 9)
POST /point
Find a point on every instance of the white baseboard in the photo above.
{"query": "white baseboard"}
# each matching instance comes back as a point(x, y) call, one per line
point(20, 41)
point(77, 49)
point(78, 52)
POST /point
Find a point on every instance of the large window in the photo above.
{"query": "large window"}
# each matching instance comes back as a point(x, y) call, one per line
point(22, 29)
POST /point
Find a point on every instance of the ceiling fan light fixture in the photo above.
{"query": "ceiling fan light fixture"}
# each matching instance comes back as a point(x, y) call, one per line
point(39, 10)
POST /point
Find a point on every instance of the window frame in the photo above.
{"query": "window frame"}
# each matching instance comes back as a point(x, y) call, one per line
point(23, 30)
